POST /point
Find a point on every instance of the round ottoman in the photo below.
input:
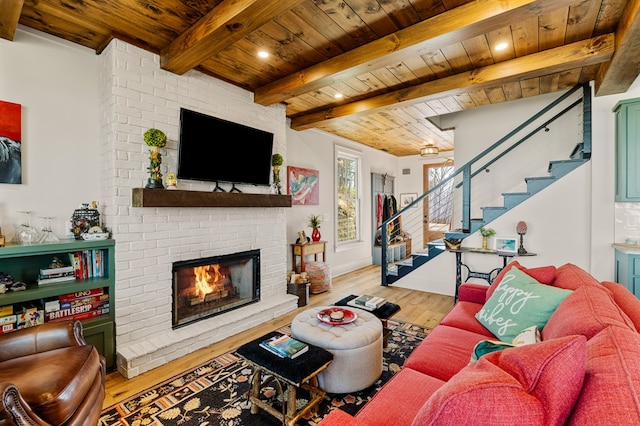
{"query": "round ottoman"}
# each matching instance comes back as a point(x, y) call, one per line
point(356, 348)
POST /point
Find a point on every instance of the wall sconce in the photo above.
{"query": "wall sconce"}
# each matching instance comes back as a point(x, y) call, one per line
point(429, 151)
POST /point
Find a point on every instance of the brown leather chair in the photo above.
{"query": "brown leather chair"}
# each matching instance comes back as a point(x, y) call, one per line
point(50, 376)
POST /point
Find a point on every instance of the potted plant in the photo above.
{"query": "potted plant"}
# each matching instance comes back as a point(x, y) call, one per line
point(486, 233)
point(314, 223)
point(155, 139)
point(276, 162)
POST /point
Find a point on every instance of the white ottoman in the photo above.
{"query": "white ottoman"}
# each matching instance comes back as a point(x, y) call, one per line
point(356, 348)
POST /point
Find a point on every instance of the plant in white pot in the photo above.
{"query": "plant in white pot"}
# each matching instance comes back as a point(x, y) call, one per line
point(155, 139)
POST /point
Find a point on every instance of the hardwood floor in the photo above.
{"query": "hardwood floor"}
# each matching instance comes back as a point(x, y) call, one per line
point(417, 307)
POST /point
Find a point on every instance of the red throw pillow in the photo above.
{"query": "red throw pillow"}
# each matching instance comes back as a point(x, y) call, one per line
point(542, 274)
point(531, 384)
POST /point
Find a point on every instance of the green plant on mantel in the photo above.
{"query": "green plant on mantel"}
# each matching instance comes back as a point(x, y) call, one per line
point(155, 139)
point(276, 162)
point(487, 232)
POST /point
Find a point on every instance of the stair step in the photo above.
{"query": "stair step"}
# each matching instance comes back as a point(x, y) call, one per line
point(561, 168)
point(491, 213)
point(537, 184)
point(512, 199)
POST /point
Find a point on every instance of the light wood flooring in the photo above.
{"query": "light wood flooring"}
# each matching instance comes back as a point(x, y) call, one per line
point(417, 307)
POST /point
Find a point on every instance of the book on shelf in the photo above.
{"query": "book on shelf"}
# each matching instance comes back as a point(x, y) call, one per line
point(285, 346)
point(367, 302)
point(56, 272)
point(45, 281)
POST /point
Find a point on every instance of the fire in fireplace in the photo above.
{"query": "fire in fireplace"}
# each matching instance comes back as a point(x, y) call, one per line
point(210, 286)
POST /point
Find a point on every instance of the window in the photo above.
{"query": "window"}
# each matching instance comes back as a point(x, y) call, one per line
point(347, 195)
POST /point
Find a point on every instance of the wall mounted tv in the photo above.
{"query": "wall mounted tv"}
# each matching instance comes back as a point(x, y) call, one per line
point(216, 150)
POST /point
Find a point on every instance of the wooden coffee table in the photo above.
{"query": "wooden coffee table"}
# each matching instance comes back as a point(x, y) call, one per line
point(383, 313)
point(296, 374)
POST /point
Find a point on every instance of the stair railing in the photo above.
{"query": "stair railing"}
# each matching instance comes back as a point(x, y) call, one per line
point(462, 176)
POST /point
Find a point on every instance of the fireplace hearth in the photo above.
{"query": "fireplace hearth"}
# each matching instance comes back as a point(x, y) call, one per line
point(214, 285)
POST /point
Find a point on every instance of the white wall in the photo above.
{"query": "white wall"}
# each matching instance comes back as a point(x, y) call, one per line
point(314, 149)
point(57, 85)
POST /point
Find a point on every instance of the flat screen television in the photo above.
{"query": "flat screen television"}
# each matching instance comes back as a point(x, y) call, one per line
point(216, 150)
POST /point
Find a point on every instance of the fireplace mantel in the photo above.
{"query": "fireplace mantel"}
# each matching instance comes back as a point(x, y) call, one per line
point(144, 197)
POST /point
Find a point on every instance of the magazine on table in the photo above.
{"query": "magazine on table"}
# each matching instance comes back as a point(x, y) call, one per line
point(285, 346)
point(367, 302)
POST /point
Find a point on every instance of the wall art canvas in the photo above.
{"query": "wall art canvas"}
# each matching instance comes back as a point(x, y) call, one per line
point(303, 186)
point(10, 143)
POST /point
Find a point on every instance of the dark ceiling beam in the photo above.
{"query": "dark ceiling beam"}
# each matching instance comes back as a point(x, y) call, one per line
point(10, 11)
point(617, 75)
point(227, 23)
point(579, 54)
point(461, 23)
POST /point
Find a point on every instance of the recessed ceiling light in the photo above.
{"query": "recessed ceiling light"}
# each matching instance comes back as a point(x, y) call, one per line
point(263, 54)
point(501, 46)
point(338, 96)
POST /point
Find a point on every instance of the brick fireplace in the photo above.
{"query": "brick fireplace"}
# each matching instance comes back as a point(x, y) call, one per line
point(138, 95)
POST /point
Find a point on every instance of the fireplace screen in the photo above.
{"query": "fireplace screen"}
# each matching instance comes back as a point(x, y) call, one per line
point(210, 286)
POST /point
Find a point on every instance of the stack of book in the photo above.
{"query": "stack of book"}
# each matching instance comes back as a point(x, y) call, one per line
point(367, 302)
point(79, 305)
point(56, 275)
point(285, 346)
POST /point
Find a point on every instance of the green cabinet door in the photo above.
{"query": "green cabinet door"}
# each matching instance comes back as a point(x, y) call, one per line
point(627, 115)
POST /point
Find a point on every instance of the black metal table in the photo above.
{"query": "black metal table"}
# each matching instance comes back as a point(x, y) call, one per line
point(383, 313)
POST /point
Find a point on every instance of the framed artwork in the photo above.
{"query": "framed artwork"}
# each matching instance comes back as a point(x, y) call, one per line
point(506, 244)
point(303, 185)
point(10, 143)
point(408, 198)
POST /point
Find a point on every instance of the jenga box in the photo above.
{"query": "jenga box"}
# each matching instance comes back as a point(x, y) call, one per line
point(6, 310)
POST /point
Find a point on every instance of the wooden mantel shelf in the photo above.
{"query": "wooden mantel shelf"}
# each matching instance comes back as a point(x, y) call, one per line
point(143, 197)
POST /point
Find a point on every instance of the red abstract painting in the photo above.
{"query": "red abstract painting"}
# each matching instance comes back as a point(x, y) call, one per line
point(10, 142)
point(303, 186)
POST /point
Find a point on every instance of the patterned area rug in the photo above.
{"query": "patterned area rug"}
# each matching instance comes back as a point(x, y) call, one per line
point(214, 393)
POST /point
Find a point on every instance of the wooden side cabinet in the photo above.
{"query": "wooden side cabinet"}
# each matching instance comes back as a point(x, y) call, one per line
point(628, 269)
point(627, 116)
point(63, 299)
point(303, 250)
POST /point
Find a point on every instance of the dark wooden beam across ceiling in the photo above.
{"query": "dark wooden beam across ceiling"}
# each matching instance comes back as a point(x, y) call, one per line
point(227, 23)
point(10, 11)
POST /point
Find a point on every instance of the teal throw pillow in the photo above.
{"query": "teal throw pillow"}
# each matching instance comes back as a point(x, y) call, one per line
point(519, 302)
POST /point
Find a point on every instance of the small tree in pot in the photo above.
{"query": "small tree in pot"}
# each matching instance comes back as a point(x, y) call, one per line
point(155, 139)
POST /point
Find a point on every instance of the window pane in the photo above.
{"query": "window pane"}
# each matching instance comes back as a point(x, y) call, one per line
point(348, 197)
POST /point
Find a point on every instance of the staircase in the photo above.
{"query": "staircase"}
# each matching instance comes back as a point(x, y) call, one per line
point(501, 156)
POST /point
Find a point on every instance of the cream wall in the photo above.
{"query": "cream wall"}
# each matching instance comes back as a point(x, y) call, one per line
point(57, 85)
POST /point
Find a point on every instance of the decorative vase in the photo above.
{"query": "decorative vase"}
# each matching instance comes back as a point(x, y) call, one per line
point(315, 235)
point(155, 175)
point(277, 186)
point(485, 241)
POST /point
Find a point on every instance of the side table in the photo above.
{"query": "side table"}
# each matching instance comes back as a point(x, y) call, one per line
point(298, 373)
point(383, 313)
point(303, 250)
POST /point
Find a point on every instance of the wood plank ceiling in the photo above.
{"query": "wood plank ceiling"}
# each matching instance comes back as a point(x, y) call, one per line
point(398, 64)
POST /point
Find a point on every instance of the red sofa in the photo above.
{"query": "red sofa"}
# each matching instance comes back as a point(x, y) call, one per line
point(584, 371)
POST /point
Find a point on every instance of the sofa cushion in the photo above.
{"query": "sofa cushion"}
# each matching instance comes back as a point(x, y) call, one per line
point(463, 315)
point(571, 277)
point(587, 311)
point(518, 303)
point(383, 409)
point(530, 384)
point(611, 390)
point(53, 383)
point(444, 352)
point(542, 274)
point(626, 300)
